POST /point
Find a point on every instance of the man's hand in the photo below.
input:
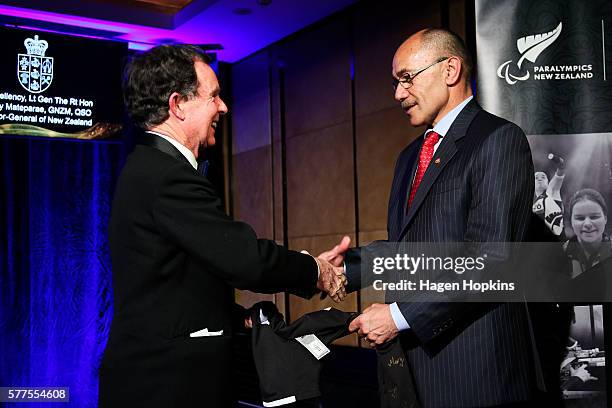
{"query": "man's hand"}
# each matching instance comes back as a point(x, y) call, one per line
point(375, 324)
point(331, 280)
point(335, 256)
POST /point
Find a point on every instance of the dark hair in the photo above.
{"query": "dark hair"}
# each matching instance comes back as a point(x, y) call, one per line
point(449, 44)
point(588, 194)
point(151, 77)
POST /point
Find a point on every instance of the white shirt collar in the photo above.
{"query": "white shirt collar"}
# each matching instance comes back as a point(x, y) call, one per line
point(184, 151)
point(445, 123)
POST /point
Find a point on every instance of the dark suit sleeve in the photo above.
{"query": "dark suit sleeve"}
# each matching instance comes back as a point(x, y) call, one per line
point(352, 265)
point(189, 214)
point(502, 184)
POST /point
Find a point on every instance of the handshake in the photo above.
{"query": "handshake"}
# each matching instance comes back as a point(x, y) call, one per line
point(332, 279)
point(375, 324)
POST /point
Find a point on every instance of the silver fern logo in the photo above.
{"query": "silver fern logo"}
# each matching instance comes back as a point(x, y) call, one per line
point(530, 47)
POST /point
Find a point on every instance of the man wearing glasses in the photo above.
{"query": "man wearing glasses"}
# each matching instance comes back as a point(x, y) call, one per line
point(468, 178)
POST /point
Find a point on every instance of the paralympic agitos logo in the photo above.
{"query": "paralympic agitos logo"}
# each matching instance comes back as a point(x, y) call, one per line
point(530, 47)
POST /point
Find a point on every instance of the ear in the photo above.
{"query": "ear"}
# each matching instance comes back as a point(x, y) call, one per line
point(175, 106)
point(453, 71)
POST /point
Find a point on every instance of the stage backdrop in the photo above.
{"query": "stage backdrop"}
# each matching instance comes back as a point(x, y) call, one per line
point(544, 65)
point(55, 271)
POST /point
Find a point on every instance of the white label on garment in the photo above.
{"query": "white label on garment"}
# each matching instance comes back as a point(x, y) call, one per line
point(263, 318)
point(278, 403)
point(206, 333)
point(314, 345)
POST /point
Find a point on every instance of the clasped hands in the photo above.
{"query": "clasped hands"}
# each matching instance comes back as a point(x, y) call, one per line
point(331, 271)
point(375, 324)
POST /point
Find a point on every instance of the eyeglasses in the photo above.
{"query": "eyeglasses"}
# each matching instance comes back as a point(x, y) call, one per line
point(406, 80)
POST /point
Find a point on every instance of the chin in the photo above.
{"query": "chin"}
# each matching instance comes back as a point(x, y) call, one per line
point(591, 240)
point(417, 122)
point(413, 119)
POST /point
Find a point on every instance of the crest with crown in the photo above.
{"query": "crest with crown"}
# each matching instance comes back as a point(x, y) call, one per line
point(34, 46)
point(34, 70)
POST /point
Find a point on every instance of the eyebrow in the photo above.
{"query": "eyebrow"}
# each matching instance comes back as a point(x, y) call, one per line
point(402, 72)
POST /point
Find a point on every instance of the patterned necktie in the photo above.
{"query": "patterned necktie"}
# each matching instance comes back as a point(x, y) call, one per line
point(425, 157)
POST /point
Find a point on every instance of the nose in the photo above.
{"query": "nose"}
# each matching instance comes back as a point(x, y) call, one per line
point(400, 93)
point(588, 222)
point(222, 107)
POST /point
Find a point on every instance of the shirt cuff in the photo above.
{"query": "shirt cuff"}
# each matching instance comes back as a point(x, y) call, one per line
point(317, 262)
point(398, 317)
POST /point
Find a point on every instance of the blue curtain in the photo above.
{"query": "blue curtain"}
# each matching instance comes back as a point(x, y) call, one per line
point(55, 271)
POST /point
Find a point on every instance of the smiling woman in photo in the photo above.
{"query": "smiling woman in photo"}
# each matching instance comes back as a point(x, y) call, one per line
point(588, 216)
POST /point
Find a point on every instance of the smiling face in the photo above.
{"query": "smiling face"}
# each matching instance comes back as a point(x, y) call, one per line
point(588, 221)
point(426, 99)
point(202, 111)
point(541, 181)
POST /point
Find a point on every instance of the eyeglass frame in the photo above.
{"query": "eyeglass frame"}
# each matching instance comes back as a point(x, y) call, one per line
point(407, 83)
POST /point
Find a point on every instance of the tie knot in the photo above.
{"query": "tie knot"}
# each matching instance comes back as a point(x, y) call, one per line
point(432, 138)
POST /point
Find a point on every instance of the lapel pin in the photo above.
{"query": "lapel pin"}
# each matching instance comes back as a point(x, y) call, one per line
point(437, 161)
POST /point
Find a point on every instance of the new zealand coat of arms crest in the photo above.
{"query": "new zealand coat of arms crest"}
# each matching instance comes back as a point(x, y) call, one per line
point(34, 70)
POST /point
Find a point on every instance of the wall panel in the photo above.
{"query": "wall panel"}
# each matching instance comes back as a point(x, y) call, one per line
point(253, 190)
point(320, 193)
point(252, 160)
point(381, 136)
point(250, 110)
point(378, 30)
point(317, 77)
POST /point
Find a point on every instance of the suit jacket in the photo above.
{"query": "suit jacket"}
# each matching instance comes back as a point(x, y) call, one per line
point(176, 259)
point(466, 354)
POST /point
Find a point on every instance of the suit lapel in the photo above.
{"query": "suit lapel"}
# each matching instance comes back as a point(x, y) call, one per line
point(401, 187)
point(444, 154)
point(159, 143)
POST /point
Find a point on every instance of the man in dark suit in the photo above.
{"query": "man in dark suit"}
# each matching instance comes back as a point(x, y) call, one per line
point(176, 255)
point(468, 178)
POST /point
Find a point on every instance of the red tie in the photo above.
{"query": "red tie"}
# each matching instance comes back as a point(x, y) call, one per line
point(427, 152)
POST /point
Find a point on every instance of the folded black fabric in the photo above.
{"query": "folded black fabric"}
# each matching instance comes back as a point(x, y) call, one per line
point(287, 370)
point(395, 382)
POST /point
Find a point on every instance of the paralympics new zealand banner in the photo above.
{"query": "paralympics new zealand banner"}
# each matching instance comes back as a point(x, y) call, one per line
point(545, 65)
